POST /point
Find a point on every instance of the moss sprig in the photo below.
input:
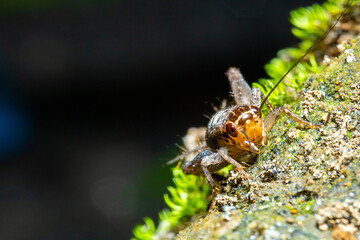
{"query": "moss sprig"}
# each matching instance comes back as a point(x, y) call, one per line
point(146, 231)
point(187, 197)
point(309, 24)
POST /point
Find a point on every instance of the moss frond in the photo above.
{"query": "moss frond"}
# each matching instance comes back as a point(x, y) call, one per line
point(309, 24)
point(146, 231)
point(188, 197)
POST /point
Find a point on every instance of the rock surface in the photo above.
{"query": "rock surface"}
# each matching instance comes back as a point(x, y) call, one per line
point(305, 184)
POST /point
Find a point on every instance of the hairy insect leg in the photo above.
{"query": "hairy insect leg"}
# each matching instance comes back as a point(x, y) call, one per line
point(214, 189)
point(239, 87)
point(275, 113)
point(205, 163)
point(257, 96)
point(212, 161)
point(236, 165)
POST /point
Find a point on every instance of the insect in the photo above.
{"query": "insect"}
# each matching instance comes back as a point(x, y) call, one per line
point(235, 134)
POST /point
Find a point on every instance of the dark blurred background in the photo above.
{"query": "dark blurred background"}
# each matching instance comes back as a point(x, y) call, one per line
point(94, 95)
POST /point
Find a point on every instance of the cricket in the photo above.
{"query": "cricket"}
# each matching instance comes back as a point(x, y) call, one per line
point(235, 134)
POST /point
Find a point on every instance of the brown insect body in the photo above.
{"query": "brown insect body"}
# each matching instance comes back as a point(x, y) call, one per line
point(233, 134)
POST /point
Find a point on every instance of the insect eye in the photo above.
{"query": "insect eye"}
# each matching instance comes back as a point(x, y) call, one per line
point(231, 129)
point(243, 119)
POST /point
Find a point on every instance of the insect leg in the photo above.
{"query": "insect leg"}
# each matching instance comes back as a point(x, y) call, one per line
point(275, 113)
point(236, 165)
point(210, 179)
point(257, 96)
point(193, 167)
point(239, 87)
point(205, 163)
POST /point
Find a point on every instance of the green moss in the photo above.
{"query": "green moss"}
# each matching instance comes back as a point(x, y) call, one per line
point(309, 24)
point(145, 231)
point(188, 196)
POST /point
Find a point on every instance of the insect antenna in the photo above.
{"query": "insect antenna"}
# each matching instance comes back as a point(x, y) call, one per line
point(321, 38)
